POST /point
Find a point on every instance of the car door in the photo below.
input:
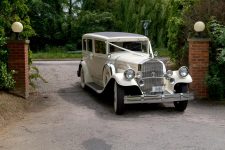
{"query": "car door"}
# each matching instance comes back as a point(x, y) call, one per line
point(88, 55)
point(99, 59)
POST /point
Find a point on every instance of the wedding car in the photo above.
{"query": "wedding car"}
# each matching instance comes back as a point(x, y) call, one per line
point(124, 64)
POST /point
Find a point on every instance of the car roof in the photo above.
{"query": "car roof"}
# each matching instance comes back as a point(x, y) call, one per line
point(115, 36)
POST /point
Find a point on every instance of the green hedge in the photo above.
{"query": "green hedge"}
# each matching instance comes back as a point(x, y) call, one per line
point(6, 76)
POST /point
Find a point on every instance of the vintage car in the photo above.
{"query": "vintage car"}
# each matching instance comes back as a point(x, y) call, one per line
point(124, 64)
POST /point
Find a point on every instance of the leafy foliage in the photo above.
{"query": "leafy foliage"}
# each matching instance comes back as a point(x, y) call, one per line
point(215, 79)
point(93, 22)
point(6, 76)
point(66, 20)
point(11, 11)
point(177, 30)
point(131, 13)
point(34, 71)
point(49, 25)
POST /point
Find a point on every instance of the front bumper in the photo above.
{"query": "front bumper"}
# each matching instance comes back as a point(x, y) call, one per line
point(162, 98)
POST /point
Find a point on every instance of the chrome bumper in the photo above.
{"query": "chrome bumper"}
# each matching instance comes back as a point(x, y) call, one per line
point(136, 99)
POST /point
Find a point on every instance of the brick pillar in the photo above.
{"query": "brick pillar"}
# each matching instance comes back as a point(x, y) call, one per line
point(18, 61)
point(198, 65)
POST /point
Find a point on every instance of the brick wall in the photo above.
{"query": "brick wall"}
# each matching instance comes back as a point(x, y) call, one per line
point(198, 65)
point(18, 61)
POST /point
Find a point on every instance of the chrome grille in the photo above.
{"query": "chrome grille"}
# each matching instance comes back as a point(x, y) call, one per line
point(152, 75)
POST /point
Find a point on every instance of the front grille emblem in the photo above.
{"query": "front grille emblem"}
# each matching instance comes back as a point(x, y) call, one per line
point(153, 74)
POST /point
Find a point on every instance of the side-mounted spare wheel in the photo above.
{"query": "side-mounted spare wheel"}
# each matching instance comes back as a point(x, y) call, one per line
point(119, 106)
point(181, 88)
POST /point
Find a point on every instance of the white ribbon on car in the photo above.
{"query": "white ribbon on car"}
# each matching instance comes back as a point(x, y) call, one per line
point(150, 48)
point(130, 51)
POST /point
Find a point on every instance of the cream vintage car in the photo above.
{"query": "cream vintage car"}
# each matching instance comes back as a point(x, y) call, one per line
point(124, 64)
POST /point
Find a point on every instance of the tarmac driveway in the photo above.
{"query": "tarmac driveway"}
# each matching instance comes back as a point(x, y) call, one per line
point(69, 118)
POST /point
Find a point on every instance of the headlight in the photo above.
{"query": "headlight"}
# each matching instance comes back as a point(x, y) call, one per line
point(129, 74)
point(183, 71)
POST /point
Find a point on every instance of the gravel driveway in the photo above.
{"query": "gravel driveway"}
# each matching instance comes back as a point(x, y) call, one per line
point(69, 118)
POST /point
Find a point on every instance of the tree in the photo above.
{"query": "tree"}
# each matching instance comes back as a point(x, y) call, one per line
point(11, 11)
point(177, 31)
point(48, 19)
point(92, 22)
point(130, 13)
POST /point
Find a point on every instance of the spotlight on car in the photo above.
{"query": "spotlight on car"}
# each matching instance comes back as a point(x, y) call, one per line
point(129, 74)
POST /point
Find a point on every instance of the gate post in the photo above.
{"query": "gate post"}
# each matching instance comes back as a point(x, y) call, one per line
point(198, 65)
point(18, 61)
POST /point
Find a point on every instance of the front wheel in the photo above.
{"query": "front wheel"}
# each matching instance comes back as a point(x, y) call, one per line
point(181, 105)
point(119, 105)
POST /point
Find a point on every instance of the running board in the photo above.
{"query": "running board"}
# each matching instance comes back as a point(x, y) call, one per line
point(97, 88)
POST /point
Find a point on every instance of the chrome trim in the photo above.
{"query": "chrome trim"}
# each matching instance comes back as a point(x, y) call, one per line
point(180, 71)
point(152, 74)
point(162, 98)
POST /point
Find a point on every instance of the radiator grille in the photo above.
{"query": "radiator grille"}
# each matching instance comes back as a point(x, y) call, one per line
point(152, 75)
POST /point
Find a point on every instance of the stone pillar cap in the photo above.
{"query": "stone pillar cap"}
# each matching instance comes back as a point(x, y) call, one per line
point(19, 41)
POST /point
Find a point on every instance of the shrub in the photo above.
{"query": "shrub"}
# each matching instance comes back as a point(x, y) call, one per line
point(34, 73)
point(177, 30)
point(215, 83)
point(215, 79)
point(6, 76)
point(71, 47)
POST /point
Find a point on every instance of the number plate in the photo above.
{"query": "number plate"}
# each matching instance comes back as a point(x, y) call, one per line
point(157, 89)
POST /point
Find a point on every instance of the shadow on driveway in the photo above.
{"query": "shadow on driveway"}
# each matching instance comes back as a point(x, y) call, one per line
point(103, 105)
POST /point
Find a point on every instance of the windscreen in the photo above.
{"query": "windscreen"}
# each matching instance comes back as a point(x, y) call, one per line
point(137, 46)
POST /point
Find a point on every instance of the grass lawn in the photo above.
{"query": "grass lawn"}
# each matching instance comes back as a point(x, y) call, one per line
point(56, 54)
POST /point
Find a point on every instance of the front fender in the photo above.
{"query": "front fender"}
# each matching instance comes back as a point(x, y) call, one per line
point(121, 80)
point(177, 79)
point(119, 77)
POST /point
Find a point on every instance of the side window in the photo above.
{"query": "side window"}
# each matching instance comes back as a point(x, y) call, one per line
point(100, 47)
point(89, 45)
point(84, 44)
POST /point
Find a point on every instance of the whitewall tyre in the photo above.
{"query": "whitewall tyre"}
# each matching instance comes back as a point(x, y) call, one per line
point(181, 105)
point(119, 106)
